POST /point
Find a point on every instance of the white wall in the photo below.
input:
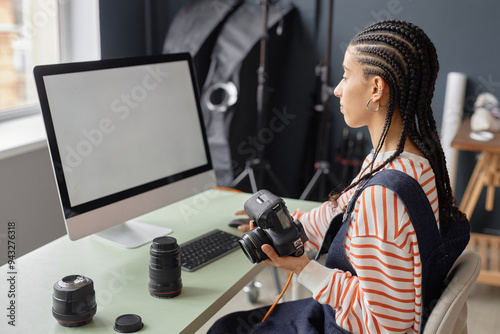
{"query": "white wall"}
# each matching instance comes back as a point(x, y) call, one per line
point(28, 195)
point(80, 32)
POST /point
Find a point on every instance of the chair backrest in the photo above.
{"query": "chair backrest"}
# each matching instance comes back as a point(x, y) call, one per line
point(450, 313)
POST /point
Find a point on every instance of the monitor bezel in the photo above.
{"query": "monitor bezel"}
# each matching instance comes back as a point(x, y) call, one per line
point(42, 71)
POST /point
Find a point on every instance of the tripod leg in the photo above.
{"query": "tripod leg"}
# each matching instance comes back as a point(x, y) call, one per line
point(276, 181)
point(311, 184)
point(239, 178)
point(276, 279)
point(334, 179)
point(251, 177)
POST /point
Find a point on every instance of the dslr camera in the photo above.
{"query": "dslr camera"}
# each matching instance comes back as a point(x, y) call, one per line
point(275, 227)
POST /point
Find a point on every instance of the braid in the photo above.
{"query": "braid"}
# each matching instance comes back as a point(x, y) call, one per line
point(404, 56)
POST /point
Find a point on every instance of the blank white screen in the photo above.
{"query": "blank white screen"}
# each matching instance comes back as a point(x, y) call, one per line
point(121, 128)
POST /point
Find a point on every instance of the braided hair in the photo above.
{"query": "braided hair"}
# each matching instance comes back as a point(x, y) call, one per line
point(404, 56)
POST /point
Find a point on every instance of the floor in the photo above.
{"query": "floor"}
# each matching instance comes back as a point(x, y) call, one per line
point(484, 309)
point(483, 303)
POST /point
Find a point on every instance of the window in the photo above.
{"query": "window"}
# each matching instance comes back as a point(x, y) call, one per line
point(28, 37)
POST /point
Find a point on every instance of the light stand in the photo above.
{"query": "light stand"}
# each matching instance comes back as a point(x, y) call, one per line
point(255, 168)
point(322, 165)
point(259, 164)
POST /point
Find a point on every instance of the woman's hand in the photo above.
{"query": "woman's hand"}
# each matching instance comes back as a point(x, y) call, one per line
point(243, 227)
point(292, 263)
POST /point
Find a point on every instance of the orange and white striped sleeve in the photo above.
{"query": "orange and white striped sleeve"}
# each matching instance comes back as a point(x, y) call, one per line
point(316, 223)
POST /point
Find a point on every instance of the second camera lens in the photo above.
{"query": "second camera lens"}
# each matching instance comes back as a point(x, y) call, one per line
point(165, 268)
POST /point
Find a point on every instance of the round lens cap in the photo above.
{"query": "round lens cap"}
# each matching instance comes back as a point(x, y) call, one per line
point(164, 243)
point(128, 323)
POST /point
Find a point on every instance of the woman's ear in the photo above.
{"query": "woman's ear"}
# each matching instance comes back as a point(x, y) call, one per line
point(378, 87)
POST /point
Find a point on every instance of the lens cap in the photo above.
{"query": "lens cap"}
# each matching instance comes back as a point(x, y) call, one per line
point(128, 323)
point(164, 243)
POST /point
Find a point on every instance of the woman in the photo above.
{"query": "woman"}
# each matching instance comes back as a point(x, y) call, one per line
point(390, 69)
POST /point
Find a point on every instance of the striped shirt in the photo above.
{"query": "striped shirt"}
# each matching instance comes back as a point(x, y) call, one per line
point(385, 296)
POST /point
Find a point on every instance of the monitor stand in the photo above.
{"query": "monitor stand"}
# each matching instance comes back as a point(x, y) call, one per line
point(132, 233)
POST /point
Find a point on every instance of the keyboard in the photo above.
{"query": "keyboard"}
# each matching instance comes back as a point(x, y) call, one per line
point(207, 248)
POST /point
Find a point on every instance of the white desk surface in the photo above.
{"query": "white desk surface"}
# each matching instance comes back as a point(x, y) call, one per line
point(121, 275)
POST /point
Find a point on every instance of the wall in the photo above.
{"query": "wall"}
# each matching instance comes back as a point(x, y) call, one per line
point(79, 30)
point(134, 27)
point(28, 197)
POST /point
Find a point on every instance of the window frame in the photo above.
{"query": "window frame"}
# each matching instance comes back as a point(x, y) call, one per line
point(78, 31)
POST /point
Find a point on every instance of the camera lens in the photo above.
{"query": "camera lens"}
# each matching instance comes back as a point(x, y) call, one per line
point(73, 301)
point(251, 243)
point(165, 268)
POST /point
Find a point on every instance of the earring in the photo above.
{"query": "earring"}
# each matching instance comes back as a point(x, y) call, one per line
point(368, 105)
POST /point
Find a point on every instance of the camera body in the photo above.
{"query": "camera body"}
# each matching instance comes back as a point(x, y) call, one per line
point(275, 226)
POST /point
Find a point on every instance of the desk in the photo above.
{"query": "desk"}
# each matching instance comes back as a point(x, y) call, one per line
point(485, 174)
point(121, 275)
point(487, 170)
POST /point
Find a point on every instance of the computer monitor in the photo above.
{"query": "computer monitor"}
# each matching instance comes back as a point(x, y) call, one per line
point(126, 137)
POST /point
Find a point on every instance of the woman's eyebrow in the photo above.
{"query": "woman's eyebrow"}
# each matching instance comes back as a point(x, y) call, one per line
point(345, 68)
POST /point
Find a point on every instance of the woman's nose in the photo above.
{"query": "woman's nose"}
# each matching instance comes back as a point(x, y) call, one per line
point(338, 91)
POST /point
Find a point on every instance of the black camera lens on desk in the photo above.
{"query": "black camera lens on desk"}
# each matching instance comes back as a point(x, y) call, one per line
point(165, 268)
point(73, 301)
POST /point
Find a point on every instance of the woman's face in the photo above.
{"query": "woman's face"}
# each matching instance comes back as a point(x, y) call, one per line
point(354, 91)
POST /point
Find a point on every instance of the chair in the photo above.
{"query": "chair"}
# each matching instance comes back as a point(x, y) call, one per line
point(450, 312)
